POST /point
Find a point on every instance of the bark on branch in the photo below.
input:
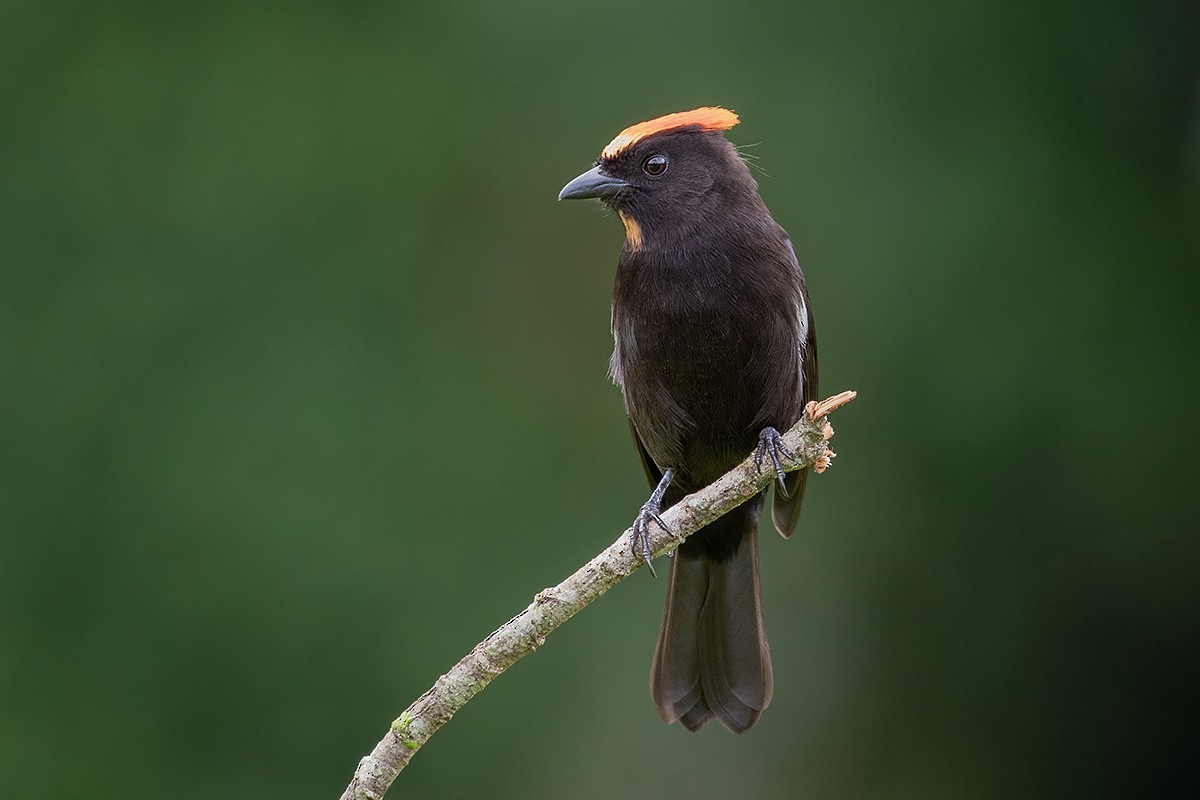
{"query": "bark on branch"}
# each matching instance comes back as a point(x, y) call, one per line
point(807, 440)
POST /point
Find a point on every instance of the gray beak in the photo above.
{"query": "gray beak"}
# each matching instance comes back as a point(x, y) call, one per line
point(592, 183)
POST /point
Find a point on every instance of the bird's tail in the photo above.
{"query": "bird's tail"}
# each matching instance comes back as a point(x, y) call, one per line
point(712, 657)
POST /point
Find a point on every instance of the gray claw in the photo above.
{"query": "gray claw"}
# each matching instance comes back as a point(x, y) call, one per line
point(640, 540)
point(769, 441)
point(651, 512)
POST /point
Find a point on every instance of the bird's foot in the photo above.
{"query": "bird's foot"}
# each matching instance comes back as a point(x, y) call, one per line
point(651, 513)
point(640, 539)
point(770, 442)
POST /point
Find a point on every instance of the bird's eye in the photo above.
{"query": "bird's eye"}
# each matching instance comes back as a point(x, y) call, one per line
point(655, 166)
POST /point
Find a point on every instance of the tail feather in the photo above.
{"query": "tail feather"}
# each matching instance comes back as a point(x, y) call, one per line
point(696, 717)
point(675, 671)
point(712, 657)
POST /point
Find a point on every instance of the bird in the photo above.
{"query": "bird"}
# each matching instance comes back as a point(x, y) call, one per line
point(715, 352)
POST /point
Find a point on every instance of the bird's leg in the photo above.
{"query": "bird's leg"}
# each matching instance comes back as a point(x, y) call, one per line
point(769, 441)
point(651, 512)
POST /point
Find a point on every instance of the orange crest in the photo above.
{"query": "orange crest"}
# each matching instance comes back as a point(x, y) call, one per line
point(712, 118)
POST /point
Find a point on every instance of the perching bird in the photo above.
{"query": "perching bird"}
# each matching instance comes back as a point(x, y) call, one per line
point(714, 352)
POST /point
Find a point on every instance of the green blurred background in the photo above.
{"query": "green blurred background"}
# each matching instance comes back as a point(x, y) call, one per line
point(302, 372)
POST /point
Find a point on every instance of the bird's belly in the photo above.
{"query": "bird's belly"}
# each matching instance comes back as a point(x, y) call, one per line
point(692, 395)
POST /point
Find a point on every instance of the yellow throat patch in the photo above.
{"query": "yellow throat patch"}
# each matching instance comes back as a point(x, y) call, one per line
point(633, 231)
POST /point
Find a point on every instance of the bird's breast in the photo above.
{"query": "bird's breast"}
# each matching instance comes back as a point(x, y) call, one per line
point(684, 357)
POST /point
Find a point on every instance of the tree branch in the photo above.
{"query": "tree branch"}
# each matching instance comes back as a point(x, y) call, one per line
point(552, 607)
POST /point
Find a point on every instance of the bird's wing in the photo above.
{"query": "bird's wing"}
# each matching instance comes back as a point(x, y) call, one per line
point(785, 512)
point(653, 473)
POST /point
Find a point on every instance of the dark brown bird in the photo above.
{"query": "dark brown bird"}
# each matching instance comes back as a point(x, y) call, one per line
point(715, 352)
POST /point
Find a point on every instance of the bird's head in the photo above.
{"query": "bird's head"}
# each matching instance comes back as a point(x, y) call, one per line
point(668, 176)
